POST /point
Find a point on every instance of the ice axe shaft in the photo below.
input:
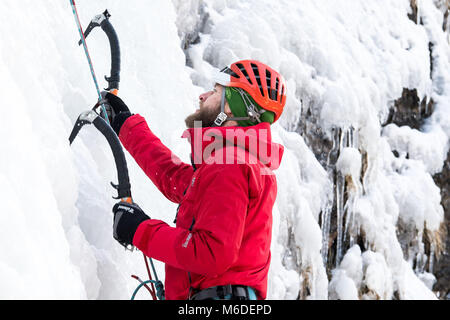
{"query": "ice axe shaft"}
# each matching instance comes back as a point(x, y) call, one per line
point(91, 117)
point(102, 20)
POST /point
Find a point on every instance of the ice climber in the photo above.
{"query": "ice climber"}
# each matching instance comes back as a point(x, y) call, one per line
point(220, 246)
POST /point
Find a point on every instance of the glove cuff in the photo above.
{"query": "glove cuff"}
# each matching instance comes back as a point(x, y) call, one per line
point(119, 120)
point(126, 223)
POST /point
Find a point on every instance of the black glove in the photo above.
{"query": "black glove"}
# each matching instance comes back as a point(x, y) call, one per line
point(117, 110)
point(127, 218)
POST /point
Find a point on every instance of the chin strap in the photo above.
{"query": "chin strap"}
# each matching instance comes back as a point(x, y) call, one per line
point(222, 116)
point(253, 113)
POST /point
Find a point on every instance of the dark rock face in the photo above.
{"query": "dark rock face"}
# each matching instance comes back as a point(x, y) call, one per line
point(316, 139)
point(326, 147)
point(414, 9)
point(409, 111)
point(193, 36)
point(442, 265)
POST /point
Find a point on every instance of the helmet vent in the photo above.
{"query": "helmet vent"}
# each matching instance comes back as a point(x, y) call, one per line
point(230, 72)
point(272, 92)
point(258, 79)
point(264, 85)
point(242, 68)
point(268, 78)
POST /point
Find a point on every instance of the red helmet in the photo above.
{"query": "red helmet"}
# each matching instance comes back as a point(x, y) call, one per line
point(265, 85)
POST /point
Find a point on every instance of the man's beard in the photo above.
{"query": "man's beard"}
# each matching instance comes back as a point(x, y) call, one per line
point(202, 118)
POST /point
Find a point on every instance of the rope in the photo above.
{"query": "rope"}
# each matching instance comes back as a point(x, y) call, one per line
point(159, 288)
point(152, 292)
point(88, 56)
point(160, 293)
point(154, 270)
point(149, 276)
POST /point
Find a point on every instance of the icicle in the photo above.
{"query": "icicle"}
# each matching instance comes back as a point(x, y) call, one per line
point(326, 223)
point(431, 258)
point(348, 221)
point(332, 156)
point(342, 138)
point(340, 182)
point(418, 12)
point(419, 263)
point(344, 211)
point(420, 255)
point(419, 113)
point(349, 231)
point(327, 210)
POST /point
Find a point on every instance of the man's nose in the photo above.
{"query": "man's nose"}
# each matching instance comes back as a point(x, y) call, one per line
point(205, 96)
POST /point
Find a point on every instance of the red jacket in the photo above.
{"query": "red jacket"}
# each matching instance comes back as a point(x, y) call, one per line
point(224, 221)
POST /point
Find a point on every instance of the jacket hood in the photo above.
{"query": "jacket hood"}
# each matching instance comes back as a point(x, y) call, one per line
point(218, 145)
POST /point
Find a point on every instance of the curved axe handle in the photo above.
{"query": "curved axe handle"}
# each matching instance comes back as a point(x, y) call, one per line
point(91, 117)
point(102, 20)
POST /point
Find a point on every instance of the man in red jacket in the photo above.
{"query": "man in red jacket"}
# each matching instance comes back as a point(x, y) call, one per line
point(220, 246)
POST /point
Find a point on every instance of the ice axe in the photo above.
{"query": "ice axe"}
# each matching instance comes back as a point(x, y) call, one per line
point(123, 186)
point(91, 117)
point(102, 124)
point(102, 20)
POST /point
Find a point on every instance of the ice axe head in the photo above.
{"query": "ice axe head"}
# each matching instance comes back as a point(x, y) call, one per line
point(95, 22)
point(85, 118)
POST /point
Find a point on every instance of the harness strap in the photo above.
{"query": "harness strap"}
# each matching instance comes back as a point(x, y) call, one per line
point(227, 292)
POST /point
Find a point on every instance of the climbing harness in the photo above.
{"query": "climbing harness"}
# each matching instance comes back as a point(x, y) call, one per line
point(227, 292)
point(101, 123)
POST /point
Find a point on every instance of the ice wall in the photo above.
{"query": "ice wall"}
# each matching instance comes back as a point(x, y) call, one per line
point(344, 63)
point(57, 220)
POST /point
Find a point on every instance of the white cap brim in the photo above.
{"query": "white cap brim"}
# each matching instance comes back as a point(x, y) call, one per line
point(221, 78)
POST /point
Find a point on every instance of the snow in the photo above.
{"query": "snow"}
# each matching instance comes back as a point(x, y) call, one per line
point(346, 62)
point(349, 163)
point(348, 277)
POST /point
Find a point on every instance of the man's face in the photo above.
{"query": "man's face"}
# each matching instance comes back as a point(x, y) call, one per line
point(209, 108)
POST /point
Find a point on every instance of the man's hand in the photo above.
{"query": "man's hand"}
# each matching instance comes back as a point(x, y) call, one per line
point(117, 110)
point(127, 218)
